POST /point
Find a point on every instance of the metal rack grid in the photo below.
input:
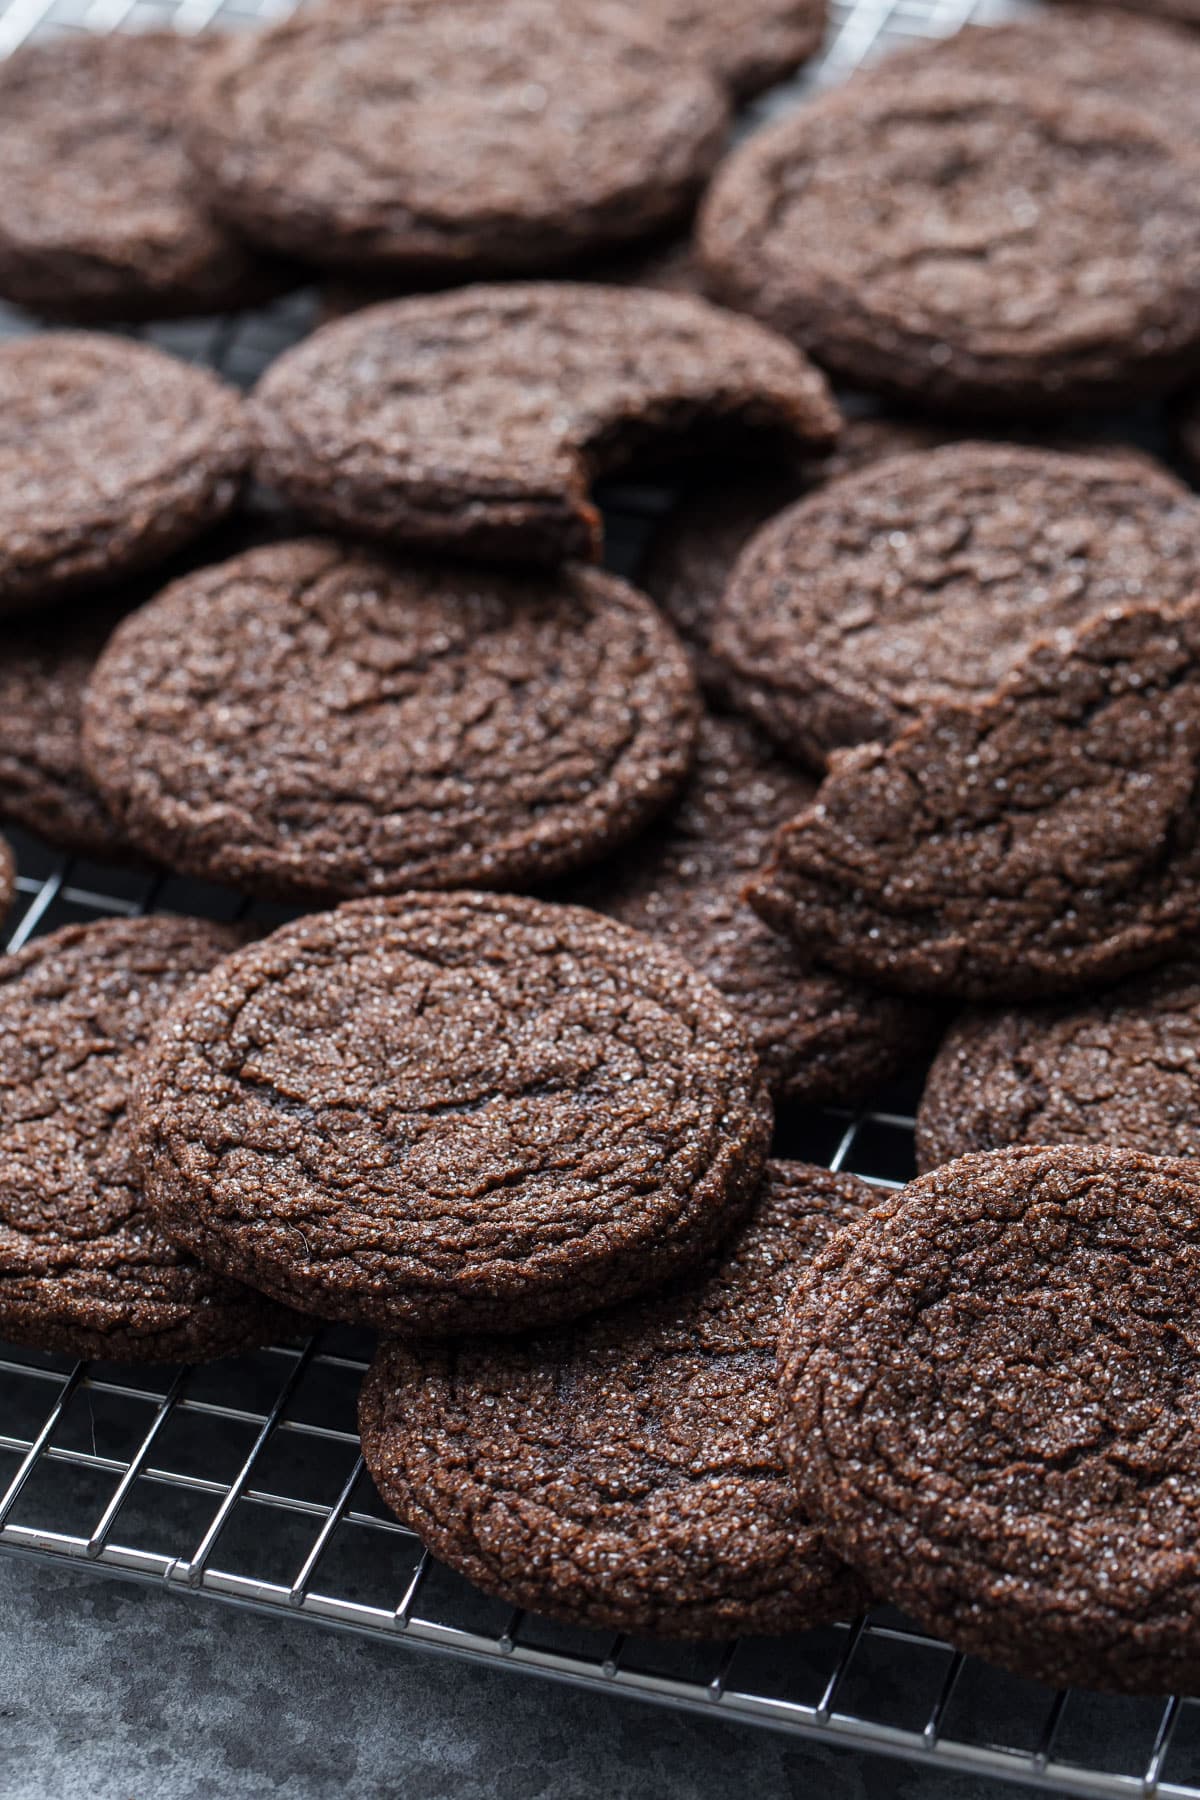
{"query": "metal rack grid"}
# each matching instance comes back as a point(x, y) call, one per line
point(243, 1481)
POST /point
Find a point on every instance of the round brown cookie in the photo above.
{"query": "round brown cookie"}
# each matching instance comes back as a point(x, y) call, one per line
point(924, 579)
point(487, 136)
point(818, 1036)
point(99, 215)
point(474, 420)
point(43, 672)
point(975, 244)
point(449, 1113)
point(112, 455)
point(83, 1270)
point(1120, 1068)
point(309, 720)
point(990, 1387)
point(624, 1473)
point(1039, 841)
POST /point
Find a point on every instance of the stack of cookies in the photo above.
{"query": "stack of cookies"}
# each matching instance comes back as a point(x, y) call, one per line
point(900, 744)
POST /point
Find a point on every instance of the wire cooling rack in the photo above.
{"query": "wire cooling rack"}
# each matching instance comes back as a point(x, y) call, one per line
point(243, 1480)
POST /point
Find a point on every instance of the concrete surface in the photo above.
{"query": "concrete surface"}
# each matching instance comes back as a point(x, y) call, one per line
point(114, 1692)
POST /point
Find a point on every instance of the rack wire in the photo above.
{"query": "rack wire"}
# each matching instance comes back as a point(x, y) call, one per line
point(243, 1482)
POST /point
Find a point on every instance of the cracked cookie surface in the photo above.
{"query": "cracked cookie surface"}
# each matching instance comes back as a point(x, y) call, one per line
point(925, 578)
point(1120, 1069)
point(1036, 842)
point(311, 720)
point(460, 1112)
point(624, 1473)
point(112, 455)
point(475, 420)
point(819, 1036)
point(978, 244)
point(83, 1268)
point(989, 1395)
point(491, 136)
point(99, 216)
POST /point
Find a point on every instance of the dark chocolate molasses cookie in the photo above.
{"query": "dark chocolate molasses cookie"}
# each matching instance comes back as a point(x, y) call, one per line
point(474, 420)
point(1121, 1068)
point(924, 579)
point(99, 215)
point(449, 1113)
point(312, 721)
point(990, 1385)
point(487, 136)
point(44, 668)
point(83, 1269)
point(818, 1036)
point(625, 1473)
point(1039, 841)
point(974, 243)
point(112, 455)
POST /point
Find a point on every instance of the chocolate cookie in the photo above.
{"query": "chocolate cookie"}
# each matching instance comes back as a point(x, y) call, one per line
point(1038, 841)
point(43, 672)
point(488, 136)
point(1120, 1068)
point(818, 1037)
point(624, 1473)
point(112, 455)
point(83, 1270)
point(1139, 61)
point(452, 1113)
point(99, 216)
point(309, 720)
point(976, 244)
point(990, 1385)
point(473, 421)
point(924, 579)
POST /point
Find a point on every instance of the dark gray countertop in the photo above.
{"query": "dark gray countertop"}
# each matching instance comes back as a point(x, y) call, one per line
point(116, 1692)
